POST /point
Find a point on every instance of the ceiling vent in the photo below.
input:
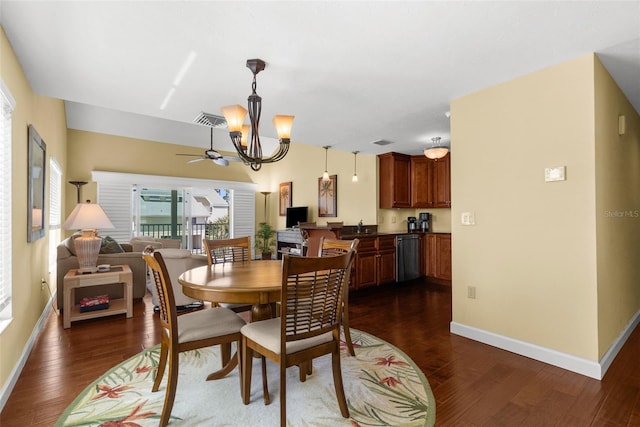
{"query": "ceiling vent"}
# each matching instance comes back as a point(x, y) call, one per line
point(211, 120)
point(381, 142)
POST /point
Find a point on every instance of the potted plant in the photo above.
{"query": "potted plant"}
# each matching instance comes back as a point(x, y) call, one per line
point(264, 240)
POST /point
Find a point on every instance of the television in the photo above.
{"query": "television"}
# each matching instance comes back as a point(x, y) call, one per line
point(296, 214)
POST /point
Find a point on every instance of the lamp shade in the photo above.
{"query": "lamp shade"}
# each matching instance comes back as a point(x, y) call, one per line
point(245, 136)
point(283, 126)
point(436, 152)
point(234, 115)
point(87, 216)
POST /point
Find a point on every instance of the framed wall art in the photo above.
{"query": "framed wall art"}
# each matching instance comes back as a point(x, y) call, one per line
point(35, 199)
point(285, 197)
point(328, 197)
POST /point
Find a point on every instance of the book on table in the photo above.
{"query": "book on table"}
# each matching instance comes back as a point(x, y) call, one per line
point(99, 302)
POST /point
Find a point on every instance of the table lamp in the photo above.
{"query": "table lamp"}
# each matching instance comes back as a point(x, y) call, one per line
point(87, 217)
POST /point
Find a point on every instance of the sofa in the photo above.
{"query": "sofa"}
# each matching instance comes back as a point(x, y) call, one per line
point(113, 253)
point(177, 262)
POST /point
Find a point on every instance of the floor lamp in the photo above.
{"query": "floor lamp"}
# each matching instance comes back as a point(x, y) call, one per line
point(265, 194)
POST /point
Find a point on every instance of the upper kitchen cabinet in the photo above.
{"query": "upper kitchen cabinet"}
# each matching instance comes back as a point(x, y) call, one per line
point(414, 181)
point(395, 180)
point(421, 182)
point(442, 182)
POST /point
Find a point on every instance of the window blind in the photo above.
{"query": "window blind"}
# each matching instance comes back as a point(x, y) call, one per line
point(7, 104)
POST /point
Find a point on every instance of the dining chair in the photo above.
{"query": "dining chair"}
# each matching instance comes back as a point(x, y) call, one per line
point(204, 328)
point(309, 325)
point(330, 247)
point(220, 251)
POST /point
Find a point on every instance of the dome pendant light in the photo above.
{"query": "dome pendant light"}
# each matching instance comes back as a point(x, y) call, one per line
point(436, 151)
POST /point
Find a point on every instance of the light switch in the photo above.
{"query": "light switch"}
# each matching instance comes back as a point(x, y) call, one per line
point(468, 218)
point(554, 174)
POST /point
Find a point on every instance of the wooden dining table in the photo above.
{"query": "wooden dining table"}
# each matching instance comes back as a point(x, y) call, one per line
point(252, 282)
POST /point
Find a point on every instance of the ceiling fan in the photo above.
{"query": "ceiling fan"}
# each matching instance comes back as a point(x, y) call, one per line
point(212, 155)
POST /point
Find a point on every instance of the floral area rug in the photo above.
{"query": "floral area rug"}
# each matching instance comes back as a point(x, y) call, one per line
point(383, 388)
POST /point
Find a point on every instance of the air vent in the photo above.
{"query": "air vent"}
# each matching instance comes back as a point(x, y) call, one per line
point(381, 142)
point(211, 120)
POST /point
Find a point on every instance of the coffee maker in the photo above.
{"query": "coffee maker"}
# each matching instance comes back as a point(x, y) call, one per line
point(412, 224)
point(424, 222)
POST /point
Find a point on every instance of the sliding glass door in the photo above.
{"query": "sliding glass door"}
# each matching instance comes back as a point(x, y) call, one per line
point(177, 208)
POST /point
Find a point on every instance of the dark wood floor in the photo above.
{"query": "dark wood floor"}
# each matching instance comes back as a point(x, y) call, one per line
point(474, 384)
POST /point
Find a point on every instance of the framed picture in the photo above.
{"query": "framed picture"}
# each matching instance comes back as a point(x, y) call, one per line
point(35, 198)
point(328, 197)
point(284, 197)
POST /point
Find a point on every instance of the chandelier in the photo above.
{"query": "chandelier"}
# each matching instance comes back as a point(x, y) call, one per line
point(436, 151)
point(250, 149)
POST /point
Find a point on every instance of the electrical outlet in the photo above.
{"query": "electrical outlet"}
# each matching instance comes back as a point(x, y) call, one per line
point(471, 292)
point(393, 219)
point(42, 283)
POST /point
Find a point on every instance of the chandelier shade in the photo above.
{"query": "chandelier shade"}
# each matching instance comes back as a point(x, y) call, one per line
point(246, 138)
point(234, 115)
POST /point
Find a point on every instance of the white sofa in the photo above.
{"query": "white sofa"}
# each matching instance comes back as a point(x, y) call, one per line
point(177, 261)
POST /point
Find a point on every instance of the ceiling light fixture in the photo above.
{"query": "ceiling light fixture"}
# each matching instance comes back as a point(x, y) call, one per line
point(325, 175)
point(251, 151)
point(436, 151)
point(354, 178)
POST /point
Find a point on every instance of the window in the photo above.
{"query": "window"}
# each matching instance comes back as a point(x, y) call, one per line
point(55, 212)
point(7, 104)
point(121, 194)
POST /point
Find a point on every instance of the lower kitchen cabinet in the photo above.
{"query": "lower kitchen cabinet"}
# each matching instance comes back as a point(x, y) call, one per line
point(436, 255)
point(375, 262)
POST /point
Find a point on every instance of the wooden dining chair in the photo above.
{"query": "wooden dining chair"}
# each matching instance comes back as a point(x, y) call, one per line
point(309, 325)
point(204, 328)
point(330, 247)
point(220, 251)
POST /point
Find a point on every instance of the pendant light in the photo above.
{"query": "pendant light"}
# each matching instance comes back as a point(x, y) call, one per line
point(325, 175)
point(354, 178)
point(436, 151)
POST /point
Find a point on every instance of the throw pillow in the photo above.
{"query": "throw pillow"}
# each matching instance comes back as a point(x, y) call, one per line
point(110, 246)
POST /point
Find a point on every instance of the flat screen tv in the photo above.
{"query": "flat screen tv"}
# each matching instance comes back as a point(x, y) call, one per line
point(296, 214)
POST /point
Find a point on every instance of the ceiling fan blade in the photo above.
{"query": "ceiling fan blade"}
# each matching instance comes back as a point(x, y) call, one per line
point(196, 160)
point(191, 155)
point(221, 161)
point(233, 158)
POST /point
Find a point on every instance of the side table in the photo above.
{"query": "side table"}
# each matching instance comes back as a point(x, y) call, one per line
point(116, 274)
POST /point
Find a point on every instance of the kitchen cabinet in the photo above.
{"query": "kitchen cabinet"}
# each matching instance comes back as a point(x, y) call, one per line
point(421, 182)
point(414, 181)
point(394, 171)
point(436, 256)
point(375, 262)
point(442, 182)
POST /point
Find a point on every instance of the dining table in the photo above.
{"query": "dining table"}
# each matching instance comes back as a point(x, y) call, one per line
point(247, 282)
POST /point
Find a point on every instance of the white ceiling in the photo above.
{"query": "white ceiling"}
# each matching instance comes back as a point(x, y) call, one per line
point(351, 72)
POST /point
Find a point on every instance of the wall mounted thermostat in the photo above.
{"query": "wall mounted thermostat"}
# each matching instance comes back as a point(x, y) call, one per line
point(554, 174)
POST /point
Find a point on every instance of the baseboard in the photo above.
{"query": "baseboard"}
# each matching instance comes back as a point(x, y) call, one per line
point(566, 361)
point(17, 369)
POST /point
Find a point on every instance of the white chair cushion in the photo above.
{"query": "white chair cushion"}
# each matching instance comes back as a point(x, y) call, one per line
point(267, 334)
point(208, 323)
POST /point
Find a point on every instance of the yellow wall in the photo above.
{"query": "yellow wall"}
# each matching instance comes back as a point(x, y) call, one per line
point(555, 263)
point(617, 209)
point(90, 151)
point(30, 260)
point(532, 253)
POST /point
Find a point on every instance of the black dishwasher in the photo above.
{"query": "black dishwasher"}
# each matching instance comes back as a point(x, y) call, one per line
point(407, 257)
